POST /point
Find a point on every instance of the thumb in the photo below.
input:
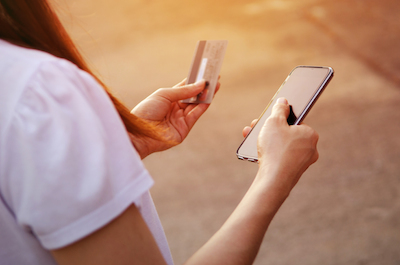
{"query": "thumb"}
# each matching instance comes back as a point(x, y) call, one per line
point(182, 92)
point(281, 108)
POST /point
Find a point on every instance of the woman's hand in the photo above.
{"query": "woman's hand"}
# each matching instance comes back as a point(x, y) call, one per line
point(284, 151)
point(173, 118)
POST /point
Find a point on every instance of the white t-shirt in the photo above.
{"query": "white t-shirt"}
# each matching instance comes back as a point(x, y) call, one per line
point(67, 167)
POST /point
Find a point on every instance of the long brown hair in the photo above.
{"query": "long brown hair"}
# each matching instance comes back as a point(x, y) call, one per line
point(34, 24)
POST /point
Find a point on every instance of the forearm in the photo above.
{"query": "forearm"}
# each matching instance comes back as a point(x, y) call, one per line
point(239, 239)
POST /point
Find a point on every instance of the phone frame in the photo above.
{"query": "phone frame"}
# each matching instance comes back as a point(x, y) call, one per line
point(304, 112)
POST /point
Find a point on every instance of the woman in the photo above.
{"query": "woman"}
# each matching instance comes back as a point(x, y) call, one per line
point(73, 189)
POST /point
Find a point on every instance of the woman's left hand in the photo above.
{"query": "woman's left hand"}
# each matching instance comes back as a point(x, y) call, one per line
point(172, 118)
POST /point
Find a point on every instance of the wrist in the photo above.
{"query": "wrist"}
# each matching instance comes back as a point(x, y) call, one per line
point(274, 185)
point(139, 145)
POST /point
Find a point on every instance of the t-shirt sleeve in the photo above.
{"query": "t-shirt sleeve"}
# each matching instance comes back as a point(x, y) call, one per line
point(70, 165)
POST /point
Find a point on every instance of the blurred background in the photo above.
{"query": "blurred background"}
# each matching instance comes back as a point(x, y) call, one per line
point(346, 207)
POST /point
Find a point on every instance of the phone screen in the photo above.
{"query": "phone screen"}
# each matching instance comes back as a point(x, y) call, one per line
point(301, 88)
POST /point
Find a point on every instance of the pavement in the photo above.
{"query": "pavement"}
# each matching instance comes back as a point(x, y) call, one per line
point(346, 207)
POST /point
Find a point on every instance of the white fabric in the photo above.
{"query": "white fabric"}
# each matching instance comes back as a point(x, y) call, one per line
point(67, 167)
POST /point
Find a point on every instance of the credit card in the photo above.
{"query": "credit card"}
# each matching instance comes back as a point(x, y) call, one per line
point(206, 64)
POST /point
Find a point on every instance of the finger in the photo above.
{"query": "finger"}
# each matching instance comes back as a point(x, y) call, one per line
point(281, 108)
point(194, 111)
point(203, 95)
point(195, 114)
point(187, 108)
point(246, 131)
point(181, 92)
point(253, 123)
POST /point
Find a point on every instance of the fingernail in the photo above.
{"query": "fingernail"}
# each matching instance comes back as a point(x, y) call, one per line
point(282, 101)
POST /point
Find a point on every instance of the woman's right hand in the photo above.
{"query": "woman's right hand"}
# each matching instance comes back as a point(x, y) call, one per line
point(284, 151)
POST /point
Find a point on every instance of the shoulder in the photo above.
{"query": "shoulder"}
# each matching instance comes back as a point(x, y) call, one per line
point(45, 94)
point(13, 53)
point(19, 66)
point(62, 138)
point(31, 78)
point(54, 112)
point(20, 61)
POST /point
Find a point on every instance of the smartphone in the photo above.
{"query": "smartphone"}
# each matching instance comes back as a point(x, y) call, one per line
point(301, 88)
